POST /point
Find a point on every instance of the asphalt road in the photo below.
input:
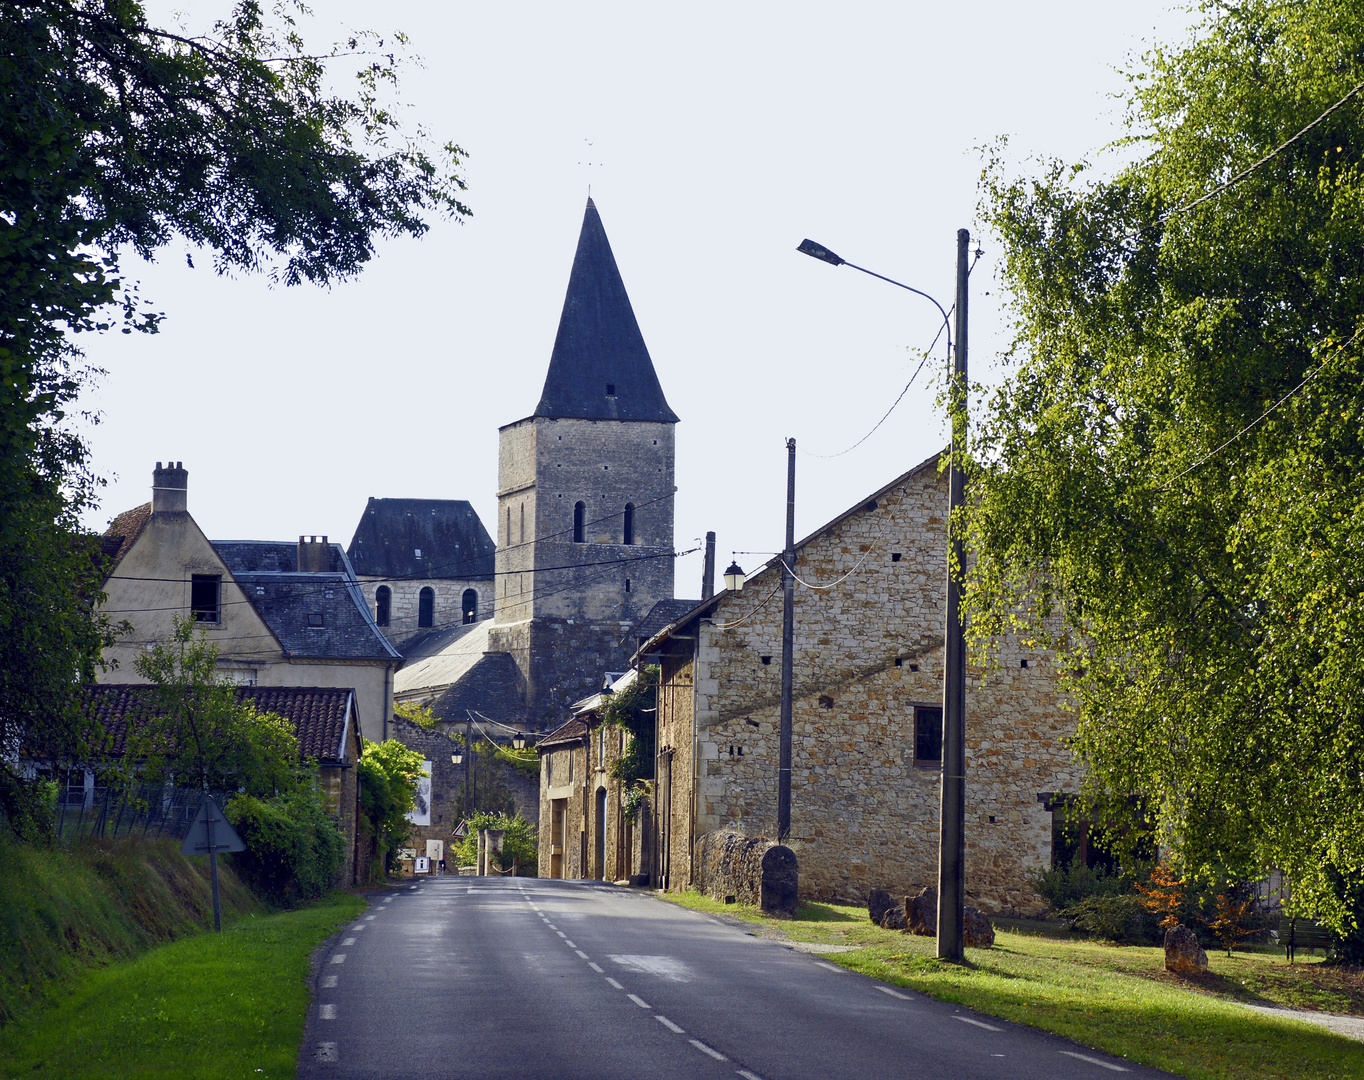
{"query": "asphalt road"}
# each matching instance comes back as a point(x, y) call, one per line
point(525, 977)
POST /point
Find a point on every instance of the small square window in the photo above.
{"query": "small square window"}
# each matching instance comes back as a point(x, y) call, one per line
point(927, 736)
point(315, 619)
point(417, 553)
point(610, 389)
point(766, 659)
point(895, 556)
point(205, 597)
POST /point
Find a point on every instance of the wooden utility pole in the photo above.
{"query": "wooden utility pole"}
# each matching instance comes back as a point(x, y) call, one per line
point(788, 624)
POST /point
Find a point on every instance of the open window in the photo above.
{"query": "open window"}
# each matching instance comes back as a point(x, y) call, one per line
point(426, 607)
point(383, 602)
point(206, 598)
point(468, 606)
point(579, 516)
point(629, 533)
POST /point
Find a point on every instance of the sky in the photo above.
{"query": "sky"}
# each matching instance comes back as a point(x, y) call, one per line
point(713, 139)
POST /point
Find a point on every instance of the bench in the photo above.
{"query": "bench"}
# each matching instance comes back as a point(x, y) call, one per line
point(1299, 933)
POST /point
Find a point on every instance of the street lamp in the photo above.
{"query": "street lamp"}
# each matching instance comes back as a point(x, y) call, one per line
point(457, 758)
point(952, 816)
point(519, 740)
point(734, 577)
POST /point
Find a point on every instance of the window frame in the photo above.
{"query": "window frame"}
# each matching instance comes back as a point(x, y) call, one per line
point(200, 612)
point(921, 713)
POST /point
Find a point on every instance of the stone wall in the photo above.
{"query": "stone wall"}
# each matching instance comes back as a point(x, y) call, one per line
point(868, 652)
point(405, 599)
point(729, 866)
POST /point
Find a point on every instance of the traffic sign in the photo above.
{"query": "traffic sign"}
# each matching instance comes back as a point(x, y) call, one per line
point(210, 833)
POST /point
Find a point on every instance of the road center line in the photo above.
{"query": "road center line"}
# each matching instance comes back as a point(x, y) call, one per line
point(638, 1000)
point(668, 1024)
point(707, 1050)
point(748, 1075)
point(611, 980)
point(594, 967)
point(583, 955)
point(1093, 1060)
point(562, 934)
point(980, 1024)
point(569, 944)
point(895, 993)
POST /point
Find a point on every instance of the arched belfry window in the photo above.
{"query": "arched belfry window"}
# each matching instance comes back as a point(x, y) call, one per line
point(522, 538)
point(469, 605)
point(579, 513)
point(383, 598)
point(629, 523)
point(426, 607)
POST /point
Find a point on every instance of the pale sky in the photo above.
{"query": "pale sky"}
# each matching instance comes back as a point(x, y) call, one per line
point(714, 138)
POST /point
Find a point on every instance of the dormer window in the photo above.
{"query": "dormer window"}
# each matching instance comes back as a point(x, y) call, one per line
point(315, 621)
point(417, 553)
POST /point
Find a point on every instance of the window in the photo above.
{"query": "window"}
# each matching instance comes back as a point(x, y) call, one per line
point(629, 523)
point(579, 512)
point(522, 538)
point(205, 597)
point(610, 389)
point(468, 605)
point(315, 620)
point(426, 607)
point(927, 736)
point(383, 600)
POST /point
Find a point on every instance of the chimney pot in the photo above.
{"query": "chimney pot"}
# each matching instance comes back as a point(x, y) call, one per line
point(170, 486)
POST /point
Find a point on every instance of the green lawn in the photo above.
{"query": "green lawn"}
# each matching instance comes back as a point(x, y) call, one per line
point(208, 1007)
point(1116, 999)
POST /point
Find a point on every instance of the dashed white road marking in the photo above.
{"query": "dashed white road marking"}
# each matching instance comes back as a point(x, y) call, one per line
point(611, 980)
point(569, 944)
point(326, 1012)
point(827, 967)
point(358, 927)
point(1093, 1060)
point(748, 1075)
point(339, 958)
point(388, 899)
point(669, 1024)
point(329, 981)
point(980, 1024)
point(412, 886)
point(326, 1051)
point(348, 941)
point(562, 934)
point(583, 955)
point(594, 967)
point(369, 918)
point(706, 1049)
point(638, 1000)
point(894, 993)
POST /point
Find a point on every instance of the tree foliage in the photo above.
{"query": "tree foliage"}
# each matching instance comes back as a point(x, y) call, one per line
point(118, 135)
point(636, 710)
point(388, 774)
point(1170, 487)
point(199, 734)
point(520, 843)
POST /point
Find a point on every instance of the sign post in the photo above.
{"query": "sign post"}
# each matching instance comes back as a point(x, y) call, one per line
point(211, 833)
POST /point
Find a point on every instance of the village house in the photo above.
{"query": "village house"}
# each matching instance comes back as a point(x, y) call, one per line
point(280, 613)
point(325, 719)
point(867, 717)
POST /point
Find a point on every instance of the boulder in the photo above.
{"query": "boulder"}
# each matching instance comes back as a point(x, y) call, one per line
point(893, 918)
point(979, 931)
point(1183, 954)
point(878, 900)
point(921, 912)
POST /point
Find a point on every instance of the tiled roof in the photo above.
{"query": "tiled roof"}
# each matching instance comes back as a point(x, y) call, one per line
point(124, 530)
point(572, 731)
point(659, 616)
point(422, 538)
point(318, 713)
point(314, 615)
point(600, 368)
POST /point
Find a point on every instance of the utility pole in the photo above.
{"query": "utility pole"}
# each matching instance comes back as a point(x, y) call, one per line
point(952, 835)
point(788, 623)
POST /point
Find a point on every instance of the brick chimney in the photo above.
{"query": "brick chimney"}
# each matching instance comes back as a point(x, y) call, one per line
point(314, 555)
point(170, 485)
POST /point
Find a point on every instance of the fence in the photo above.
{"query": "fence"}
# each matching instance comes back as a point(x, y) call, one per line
point(143, 810)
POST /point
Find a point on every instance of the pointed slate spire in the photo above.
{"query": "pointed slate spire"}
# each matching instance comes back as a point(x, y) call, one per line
point(600, 368)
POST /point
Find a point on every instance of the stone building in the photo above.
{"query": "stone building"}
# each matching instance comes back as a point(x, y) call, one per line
point(280, 613)
point(584, 829)
point(424, 565)
point(325, 719)
point(584, 521)
point(867, 716)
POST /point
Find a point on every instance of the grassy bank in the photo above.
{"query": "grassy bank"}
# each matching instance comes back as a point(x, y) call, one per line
point(211, 1006)
point(1116, 999)
point(66, 910)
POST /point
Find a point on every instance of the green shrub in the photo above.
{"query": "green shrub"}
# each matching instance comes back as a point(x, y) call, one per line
point(293, 850)
point(1120, 919)
point(1068, 885)
point(521, 842)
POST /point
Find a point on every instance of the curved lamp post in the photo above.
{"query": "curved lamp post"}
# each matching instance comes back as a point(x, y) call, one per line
point(952, 816)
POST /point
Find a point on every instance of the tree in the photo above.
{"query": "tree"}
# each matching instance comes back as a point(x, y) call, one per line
point(118, 135)
point(520, 844)
point(199, 734)
point(636, 710)
point(1168, 490)
point(388, 773)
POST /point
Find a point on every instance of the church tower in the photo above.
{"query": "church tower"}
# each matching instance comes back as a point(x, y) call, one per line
point(585, 495)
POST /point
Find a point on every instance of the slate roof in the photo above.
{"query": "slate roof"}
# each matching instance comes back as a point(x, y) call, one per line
point(319, 714)
point(448, 533)
point(599, 345)
point(124, 530)
point(573, 731)
point(491, 687)
point(438, 660)
point(293, 604)
point(659, 616)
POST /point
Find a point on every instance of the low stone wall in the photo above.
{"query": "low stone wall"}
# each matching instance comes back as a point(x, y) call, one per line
point(747, 870)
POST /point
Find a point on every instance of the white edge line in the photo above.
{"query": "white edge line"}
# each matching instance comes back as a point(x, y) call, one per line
point(707, 1050)
point(668, 1024)
point(827, 967)
point(894, 993)
point(1093, 1060)
point(748, 1075)
point(980, 1024)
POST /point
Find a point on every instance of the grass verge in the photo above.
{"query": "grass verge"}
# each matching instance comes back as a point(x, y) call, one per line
point(1115, 999)
point(210, 1007)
